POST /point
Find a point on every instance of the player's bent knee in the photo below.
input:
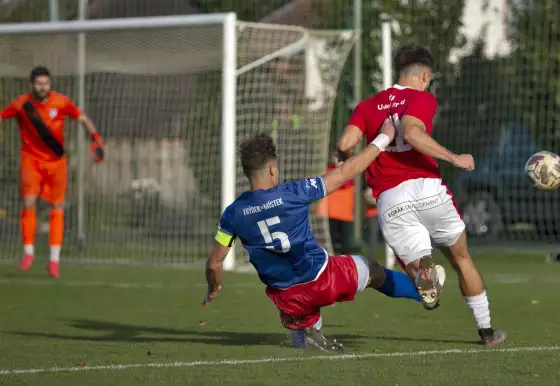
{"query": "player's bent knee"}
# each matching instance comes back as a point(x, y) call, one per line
point(458, 260)
point(29, 205)
point(29, 202)
point(363, 271)
point(412, 268)
point(458, 251)
point(412, 260)
point(451, 239)
point(376, 274)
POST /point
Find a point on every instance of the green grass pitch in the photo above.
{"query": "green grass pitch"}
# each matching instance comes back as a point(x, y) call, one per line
point(142, 326)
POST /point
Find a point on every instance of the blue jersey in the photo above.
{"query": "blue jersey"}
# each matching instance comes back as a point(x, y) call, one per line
point(273, 225)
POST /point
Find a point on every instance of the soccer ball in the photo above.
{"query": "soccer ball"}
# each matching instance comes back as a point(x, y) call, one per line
point(543, 168)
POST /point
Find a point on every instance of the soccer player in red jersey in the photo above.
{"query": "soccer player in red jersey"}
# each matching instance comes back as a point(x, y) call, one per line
point(414, 205)
point(43, 172)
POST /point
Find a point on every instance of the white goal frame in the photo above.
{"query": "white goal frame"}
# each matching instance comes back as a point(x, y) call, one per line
point(228, 95)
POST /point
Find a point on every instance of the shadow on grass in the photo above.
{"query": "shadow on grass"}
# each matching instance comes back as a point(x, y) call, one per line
point(425, 340)
point(408, 338)
point(117, 332)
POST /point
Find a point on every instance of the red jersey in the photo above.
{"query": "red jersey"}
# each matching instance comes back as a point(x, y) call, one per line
point(399, 162)
point(42, 124)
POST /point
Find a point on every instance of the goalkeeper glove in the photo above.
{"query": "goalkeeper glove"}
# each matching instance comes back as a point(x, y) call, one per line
point(96, 149)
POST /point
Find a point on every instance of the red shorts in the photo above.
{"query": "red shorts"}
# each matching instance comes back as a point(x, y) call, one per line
point(300, 306)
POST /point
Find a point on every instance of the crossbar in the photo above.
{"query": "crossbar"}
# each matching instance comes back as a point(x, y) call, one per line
point(77, 26)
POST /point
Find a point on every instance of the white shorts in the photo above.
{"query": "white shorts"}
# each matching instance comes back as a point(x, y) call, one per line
point(416, 212)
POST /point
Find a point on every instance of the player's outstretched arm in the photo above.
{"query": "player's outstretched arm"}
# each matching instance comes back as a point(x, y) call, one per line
point(360, 162)
point(88, 124)
point(225, 237)
point(414, 133)
point(9, 112)
point(214, 271)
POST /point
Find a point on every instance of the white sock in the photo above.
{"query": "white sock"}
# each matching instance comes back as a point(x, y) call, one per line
point(55, 253)
point(28, 249)
point(480, 309)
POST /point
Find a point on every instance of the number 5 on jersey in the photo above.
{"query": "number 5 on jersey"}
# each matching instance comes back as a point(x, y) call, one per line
point(270, 237)
point(401, 145)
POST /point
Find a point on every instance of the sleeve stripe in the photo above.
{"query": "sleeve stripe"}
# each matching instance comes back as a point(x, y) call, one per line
point(224, 239)
point(322, 181)
point(224, 231)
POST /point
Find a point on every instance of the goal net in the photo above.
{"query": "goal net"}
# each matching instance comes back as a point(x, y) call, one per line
point(497, 84)
point(155, 89)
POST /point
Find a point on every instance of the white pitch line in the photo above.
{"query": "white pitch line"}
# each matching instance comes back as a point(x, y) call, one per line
point(241, 362)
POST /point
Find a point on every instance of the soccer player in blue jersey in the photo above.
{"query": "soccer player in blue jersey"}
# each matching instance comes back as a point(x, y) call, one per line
point(272, 222)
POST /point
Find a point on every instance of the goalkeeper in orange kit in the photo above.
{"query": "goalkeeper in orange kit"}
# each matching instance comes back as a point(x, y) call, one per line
point(43, 171)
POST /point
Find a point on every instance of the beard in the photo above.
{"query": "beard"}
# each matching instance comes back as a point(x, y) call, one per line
point(41, 95)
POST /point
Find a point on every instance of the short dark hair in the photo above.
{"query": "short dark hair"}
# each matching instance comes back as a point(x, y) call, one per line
point(412, 54)
point(255, 152)
point(38, 71)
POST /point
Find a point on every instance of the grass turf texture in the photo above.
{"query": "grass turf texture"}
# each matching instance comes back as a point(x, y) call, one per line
point(109, 316)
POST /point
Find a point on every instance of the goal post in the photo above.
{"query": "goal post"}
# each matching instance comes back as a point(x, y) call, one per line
point(172, 97)
point(228, 93)
point(228, 149)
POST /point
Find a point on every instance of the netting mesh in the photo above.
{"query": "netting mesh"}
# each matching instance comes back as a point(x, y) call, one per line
point(155, 97)
point(498, 100)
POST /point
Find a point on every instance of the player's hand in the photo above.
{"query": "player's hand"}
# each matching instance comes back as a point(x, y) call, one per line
point(211, 296)
point(463, 161)
point(97, 150)
point(389, 129)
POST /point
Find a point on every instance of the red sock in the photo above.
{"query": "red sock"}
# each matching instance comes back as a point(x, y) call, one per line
point(28, 226)
point(56, 227)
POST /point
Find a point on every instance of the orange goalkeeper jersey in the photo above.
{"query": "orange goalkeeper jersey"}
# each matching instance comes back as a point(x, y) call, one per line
point(41, 124)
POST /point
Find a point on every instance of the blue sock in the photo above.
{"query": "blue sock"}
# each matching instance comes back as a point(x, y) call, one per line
point(398, 285)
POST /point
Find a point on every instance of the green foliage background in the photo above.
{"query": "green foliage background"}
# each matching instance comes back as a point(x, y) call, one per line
point(477, 94)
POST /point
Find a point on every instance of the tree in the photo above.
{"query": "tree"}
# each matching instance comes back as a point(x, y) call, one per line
point(534, 68)
point(474, 104)
point(433, 23)
point(22, 11)
point(248, 10)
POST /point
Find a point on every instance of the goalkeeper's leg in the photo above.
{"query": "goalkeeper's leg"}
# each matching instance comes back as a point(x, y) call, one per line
point(56, 234)
point(54, 192)
point(28, 228)
point(30, 179)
